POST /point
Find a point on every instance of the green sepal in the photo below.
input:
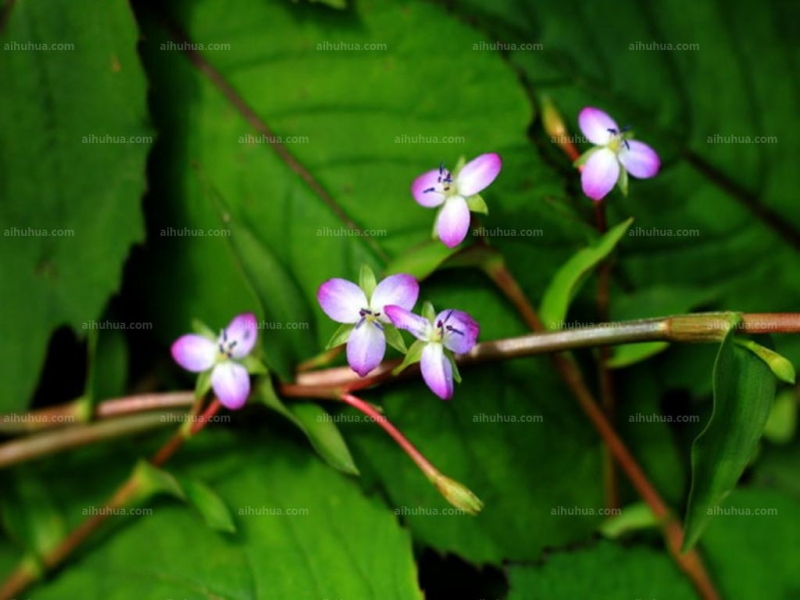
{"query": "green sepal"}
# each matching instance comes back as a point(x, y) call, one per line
point(366, 280)
point(581, 160)
point(428, 311)
point(452, 359)
point(393, 338)
point(622, 181)
point(462, 160)
point(779, 365)
point(340, 336)
point(477, 204)
point(254, 365)
point(203, 384)
point(413, 355)
point(201, 328)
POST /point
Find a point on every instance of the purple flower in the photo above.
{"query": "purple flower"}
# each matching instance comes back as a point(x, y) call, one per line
point(456, 195)
point(438, 338)
point(613, 149)
point(366, 329)
point(229, 378)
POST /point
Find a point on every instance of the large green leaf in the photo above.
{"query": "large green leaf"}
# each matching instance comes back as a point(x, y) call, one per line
point(303, 531)
point(74, 138)
point(744, 389)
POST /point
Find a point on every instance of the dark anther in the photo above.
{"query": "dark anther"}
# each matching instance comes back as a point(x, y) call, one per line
point(430, 189)
point(454, 330)
point(612, 130)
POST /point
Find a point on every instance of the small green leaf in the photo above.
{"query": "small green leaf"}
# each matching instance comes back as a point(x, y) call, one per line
point(153, 481)
point(366, 280)
point(340, 336)
point(744, 389)
point(422, 260)
point(782, 421)
point(203, 384)
point(569, 278)
point(413, 355)
point(254, 365)
point(428, 311)
point(622, 181)
point(393, 338)
point(779, 365)
point(209, 504)
point(318, 427)
point(633, 517)
point(452, 359)
point(477, 204)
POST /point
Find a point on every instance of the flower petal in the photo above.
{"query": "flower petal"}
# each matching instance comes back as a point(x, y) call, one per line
point(600, 173)
point(401, 290)
point(594, 124)
point(341, 300)
point(365, 348)
point(460, 330)
point(243, 330)
point(426, 181)
point(452, 223)
point(640, 160)
point(401, 318)
point(194, 353)
point(478, 173)
point(231, 384)
point(437, 371)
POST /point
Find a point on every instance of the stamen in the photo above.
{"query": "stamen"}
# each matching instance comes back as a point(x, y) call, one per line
point(430, 189)
point(612, 130)
point(454, 330)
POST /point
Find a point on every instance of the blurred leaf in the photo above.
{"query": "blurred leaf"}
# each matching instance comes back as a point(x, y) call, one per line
point(108, 364)
point(30, 516)
point(570, 277)
point(633, 517)
point(782, 421)
point(70, 211)
point(744, 389)
point(213, 508)
point(604, 571)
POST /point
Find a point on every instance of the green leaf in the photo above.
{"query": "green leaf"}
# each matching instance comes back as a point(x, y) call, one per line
point(107, 371)
point(73, 174)
point(633, 517)
point(779, 365)
point(414, 355)
point(254, 366)
point(782, 421)
point(477, 205)
point(393, 338)
point(569, 278)
point(744, 389)
point(318, 427)
point(340, 336)
point(29, 513)
point(428, 311)
point(366, 280)
point(215, 512)
point(152, 481)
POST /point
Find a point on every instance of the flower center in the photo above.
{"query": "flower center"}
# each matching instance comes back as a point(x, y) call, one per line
point(442, 327)
point(618, 138)
point(225, 346)
point(445, 184)
point(370, 316)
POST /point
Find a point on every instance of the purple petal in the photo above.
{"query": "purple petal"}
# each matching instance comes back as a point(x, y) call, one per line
point(452, 223)
point(437, 371)
point(478, 173)
point(243, 330)
point(600, 173)
point(231, 384)
point(594, 124)
point(460, 330)
point(401, 318)
point(365, 348)
point(424, 182)
point(194, 352)
point(341, 300)
point(640, 160)
point(401, 290)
